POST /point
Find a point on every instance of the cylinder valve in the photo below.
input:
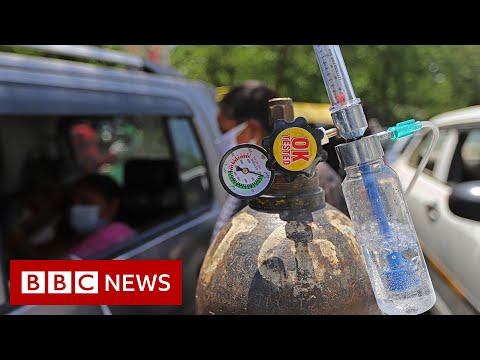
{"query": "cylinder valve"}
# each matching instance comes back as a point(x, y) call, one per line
point(294, 148)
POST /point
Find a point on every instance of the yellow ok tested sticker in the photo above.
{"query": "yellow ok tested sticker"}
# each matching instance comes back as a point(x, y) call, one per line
point(295, 149)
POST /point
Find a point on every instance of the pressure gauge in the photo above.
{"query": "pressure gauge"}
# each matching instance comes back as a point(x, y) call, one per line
point(244, 173)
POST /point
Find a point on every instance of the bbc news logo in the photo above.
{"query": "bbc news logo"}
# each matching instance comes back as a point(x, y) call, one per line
point(86, 282)
point(59, 282)
point(96, 282)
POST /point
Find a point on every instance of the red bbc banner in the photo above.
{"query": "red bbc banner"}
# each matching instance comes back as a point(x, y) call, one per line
point(95, 282)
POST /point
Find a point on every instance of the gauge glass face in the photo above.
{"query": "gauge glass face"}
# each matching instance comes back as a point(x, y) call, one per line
point(243, 171)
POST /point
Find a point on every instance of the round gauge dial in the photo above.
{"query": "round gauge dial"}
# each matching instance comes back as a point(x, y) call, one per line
point(243, 171)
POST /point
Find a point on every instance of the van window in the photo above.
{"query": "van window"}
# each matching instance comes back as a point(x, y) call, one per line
point(44, 161)
point(191, 162)
point(104, 145)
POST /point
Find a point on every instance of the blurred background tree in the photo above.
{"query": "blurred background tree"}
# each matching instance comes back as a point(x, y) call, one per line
point(114, 47)
point(395, 82)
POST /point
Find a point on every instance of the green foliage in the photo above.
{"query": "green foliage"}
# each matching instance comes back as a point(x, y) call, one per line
point(19, 50)
point(113, 47)
point(395, 82)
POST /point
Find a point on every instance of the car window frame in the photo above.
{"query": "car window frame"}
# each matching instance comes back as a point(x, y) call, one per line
point(439, 173)
point(458, 146)
point(211, 195)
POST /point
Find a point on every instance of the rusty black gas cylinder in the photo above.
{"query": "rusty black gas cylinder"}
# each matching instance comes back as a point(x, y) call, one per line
point(287, 252)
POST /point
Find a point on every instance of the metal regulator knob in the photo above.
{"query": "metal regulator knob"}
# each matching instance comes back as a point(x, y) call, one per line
point(294, 149)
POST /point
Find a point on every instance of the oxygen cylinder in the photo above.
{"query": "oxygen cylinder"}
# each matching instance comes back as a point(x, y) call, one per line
point(287, 251)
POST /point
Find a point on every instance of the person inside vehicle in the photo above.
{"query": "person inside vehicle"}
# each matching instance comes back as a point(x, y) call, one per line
point(95, 204)
point(244, 117)
point(86, 228)
point(86, 147)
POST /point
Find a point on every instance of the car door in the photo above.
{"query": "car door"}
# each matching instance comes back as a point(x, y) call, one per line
point(462, 249)
point(451, 243)
point(428, 200)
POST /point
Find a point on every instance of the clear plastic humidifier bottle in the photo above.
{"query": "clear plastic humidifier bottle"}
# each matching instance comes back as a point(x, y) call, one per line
point(384, 229)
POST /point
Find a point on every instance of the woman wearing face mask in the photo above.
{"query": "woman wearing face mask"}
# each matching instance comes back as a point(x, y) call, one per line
point(95, 203)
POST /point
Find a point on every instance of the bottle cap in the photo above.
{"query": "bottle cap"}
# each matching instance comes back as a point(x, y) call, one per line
point(359, 151)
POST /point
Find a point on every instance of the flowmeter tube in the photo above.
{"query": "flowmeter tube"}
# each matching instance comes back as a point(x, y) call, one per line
point(346, 110)
point(335, 75)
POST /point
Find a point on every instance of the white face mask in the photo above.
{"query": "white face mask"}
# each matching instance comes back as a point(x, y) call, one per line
point(228, 140)
point(85, 219)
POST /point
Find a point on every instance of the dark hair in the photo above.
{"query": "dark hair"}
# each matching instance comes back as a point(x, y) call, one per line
point(102, 184)
point(249, 100)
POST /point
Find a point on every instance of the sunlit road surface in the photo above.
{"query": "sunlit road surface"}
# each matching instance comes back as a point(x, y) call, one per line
point(448, 302)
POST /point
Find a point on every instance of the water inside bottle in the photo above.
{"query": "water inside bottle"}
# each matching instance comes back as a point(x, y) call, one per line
point(397, 270)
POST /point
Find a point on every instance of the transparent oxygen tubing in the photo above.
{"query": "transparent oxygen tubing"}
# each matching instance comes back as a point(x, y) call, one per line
point(423, 163)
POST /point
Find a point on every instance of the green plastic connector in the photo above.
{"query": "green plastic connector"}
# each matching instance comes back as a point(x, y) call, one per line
point(404, 128)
